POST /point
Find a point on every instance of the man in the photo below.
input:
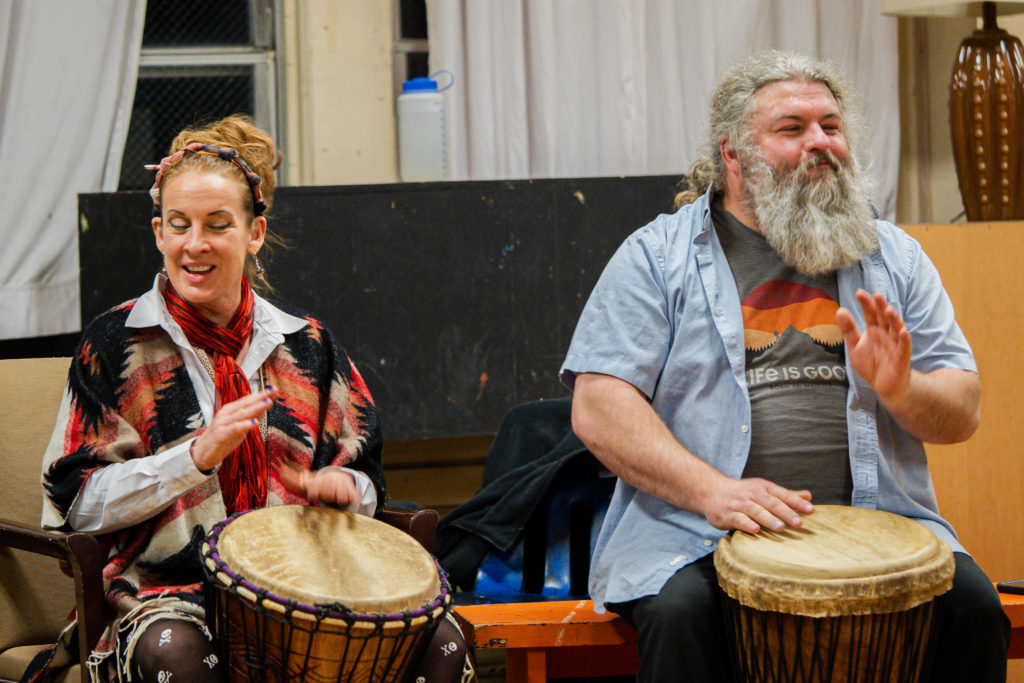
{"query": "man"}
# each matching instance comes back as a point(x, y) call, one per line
point(731, 362)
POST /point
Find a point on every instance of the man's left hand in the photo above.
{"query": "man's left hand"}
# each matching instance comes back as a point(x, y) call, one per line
point(938, 406)
point(881, 353)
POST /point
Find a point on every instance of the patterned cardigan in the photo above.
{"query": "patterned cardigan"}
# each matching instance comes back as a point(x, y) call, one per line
point(130, 396)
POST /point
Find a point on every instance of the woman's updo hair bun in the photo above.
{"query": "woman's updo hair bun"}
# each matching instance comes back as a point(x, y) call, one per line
point(256, 148)
point(238, 131)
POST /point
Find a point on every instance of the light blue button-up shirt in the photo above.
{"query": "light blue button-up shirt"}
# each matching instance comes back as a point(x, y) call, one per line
point(665, 316)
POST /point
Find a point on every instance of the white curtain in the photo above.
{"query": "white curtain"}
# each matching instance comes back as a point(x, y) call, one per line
point(577, 88)
point(67, 79)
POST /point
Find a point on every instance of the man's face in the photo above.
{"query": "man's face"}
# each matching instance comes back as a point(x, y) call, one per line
point(800, 182)
point(795, 121)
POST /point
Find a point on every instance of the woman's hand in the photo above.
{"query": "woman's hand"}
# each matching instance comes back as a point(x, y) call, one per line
point(229, 426)
point(327, 486)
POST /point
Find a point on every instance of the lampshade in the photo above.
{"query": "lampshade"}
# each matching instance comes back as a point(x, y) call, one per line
point(945, 8)
point(986, 108)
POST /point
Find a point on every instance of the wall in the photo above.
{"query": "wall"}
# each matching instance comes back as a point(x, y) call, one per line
point(928, 191)
point(336, 67)
point(979, 483)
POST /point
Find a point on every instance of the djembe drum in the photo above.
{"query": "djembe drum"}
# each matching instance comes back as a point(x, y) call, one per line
point(301, 593)
point(852, 595)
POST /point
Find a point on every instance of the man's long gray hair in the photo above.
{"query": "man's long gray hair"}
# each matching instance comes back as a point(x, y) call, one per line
point(733, 105)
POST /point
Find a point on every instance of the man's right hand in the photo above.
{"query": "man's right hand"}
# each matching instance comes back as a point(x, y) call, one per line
point(621, 429)
point(752, 504)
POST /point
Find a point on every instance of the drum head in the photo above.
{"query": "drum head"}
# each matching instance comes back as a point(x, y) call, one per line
point(843, 560)
point(324, 556)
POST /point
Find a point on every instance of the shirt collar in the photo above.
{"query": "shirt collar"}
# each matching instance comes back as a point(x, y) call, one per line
point(703, 204)
point(150, 310)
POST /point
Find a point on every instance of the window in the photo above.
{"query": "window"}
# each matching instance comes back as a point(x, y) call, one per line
point(411, 47)
point(200, 61)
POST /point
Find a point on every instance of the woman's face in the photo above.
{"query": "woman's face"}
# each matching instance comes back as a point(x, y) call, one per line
point(204, 234)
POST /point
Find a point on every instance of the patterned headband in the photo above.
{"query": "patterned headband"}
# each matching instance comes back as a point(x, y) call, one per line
point(227, 154)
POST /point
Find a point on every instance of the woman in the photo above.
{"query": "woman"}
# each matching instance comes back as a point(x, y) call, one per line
point(197, 400)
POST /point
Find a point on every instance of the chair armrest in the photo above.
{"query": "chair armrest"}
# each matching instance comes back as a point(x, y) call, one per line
point(420, 523)
point(80, 552)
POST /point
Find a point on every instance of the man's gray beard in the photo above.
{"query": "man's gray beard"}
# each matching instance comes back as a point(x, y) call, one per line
point(817, 225)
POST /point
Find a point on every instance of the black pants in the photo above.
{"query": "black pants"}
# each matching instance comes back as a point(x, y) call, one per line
point(682, 634)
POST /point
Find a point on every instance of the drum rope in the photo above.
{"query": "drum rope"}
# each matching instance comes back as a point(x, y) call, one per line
point(871, 648)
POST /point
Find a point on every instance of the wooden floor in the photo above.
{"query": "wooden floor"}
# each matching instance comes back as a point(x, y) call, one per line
point(490, 665)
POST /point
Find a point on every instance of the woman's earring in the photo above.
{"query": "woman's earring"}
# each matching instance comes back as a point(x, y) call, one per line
point(259, 269)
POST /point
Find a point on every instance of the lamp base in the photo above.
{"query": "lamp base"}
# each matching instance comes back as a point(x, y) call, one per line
point(986, 115)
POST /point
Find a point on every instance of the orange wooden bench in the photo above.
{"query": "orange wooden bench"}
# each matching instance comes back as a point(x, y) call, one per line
point(561, 639)
point(567, 639)
point(1013, 605)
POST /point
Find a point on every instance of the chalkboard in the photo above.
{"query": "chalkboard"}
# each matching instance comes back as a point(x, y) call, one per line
point(455, 300)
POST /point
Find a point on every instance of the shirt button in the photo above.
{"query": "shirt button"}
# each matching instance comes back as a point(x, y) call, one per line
point(744, 429)
point(708, 542)
point(677, 559)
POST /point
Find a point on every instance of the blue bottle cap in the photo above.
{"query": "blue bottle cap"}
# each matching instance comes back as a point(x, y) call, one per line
point(420, 83)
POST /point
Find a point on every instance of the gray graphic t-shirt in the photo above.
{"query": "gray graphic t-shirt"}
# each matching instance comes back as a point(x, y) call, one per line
point(795, 368)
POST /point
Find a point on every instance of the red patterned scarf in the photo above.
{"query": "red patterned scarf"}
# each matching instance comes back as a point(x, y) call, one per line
point(243, 474)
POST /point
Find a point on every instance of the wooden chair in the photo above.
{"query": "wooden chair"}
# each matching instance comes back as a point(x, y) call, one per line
point(35, 595)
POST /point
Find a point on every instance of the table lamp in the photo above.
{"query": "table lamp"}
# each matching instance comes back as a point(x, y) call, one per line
point(986, 107)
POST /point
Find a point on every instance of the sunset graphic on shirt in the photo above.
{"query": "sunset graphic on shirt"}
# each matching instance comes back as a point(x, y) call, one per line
point(775, 306)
